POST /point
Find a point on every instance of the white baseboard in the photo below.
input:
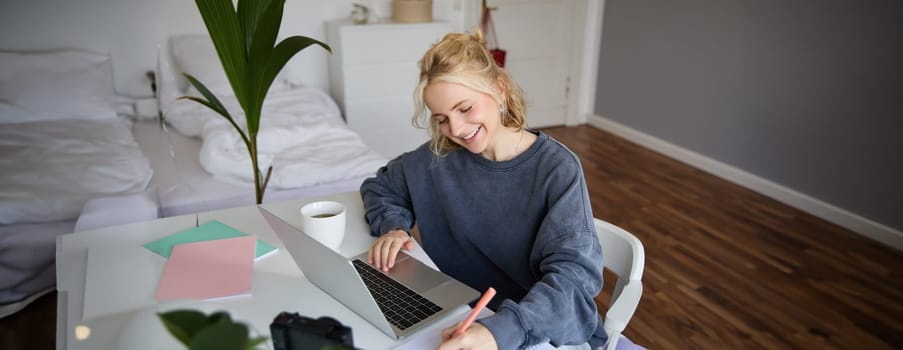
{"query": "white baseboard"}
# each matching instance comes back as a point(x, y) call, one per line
point(826, 211)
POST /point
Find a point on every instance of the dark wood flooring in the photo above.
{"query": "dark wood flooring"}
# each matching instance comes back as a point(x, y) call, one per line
point(726, 268)
point(31, 328)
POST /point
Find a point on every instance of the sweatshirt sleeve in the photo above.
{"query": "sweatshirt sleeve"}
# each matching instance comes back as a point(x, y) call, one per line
point(569, 260)
point(387, 202)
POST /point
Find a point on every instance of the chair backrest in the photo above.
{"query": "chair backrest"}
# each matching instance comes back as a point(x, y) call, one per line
point(622, 252)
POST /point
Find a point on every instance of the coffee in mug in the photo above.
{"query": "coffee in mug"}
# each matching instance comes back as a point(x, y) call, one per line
point(324, 221)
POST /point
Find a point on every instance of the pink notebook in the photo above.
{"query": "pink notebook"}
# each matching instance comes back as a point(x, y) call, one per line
point(208, 269)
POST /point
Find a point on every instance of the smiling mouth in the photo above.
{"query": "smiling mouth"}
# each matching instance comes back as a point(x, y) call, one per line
point(472, 133)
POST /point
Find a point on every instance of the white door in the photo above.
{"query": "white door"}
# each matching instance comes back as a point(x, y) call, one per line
point(537, 37)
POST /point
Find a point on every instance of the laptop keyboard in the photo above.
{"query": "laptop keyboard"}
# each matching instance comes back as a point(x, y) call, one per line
point(402, 306)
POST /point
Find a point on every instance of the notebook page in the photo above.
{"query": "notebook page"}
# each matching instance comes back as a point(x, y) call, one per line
point(119, 278)
point(208, 270)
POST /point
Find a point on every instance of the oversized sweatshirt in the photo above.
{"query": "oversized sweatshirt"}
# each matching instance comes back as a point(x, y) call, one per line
point(522, 226)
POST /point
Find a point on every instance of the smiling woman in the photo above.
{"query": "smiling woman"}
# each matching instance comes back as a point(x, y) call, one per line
point(459, 68)
point(496, 205)
point(473, 121)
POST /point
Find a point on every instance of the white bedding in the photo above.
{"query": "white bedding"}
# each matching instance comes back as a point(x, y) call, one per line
point(199, 162)
point(301, 135)
point(182, 186)
point(27, 260)
point(49, 169)
point(62, 146)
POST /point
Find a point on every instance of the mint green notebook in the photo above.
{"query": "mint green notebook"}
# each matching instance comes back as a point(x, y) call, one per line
point(205, 232)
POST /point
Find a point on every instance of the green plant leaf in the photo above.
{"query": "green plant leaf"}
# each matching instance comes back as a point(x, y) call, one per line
point(266, 67)
point(214, 103)
point(259, 52)
point(221, 336)
point(249, 12)
point(286, 49)
point(225, 30)
point(266, 178)
point(183, 324)
point(244, 38)
point(219, 317)
point(253, 342)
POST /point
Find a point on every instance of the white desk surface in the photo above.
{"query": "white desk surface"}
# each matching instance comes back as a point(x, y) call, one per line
point(278, 283)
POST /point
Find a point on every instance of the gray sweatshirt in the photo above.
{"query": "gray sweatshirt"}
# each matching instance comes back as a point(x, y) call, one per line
point(522, 226)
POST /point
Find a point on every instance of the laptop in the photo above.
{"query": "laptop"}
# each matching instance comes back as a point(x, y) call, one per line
point(407, 298)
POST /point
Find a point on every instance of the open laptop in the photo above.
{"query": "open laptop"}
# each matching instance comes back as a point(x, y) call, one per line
point(430, 295)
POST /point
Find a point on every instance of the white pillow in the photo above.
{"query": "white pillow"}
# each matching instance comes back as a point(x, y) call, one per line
point(59, 61)
point(54, 85)
point(195, 54)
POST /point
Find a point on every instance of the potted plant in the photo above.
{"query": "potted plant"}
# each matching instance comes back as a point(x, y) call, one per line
point(216, 331)
point(244, 39)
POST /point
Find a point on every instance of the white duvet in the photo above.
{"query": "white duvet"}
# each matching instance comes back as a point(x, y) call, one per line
point(302, 135)
point(49, 169)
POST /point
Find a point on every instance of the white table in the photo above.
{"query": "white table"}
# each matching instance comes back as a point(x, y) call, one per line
point(278, 283)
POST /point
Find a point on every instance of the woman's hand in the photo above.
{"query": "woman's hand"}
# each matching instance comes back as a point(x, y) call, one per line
point(383, 251)
point(476, 337)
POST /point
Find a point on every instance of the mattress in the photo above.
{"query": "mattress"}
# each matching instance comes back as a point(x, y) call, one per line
point(64, 143)
point(27, 250)
point(27, 261)
point(52, 170)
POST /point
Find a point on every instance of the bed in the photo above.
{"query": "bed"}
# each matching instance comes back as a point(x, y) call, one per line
point(64, 141)
point(75, 156)
point(201, 164)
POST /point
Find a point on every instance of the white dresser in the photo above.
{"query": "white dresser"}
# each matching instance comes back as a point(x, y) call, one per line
point(373, 71)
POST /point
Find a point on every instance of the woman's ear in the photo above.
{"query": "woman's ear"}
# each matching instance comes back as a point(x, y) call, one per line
point(502, 89)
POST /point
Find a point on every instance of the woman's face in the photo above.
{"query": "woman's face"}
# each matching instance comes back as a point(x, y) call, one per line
point(467, 117)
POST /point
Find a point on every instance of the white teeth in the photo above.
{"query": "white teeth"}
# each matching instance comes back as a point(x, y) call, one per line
point(474, 132)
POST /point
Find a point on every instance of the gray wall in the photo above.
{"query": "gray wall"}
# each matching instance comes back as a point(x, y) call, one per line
point(807, 93)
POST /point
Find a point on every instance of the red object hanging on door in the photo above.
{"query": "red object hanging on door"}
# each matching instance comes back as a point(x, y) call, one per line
point(492, 41)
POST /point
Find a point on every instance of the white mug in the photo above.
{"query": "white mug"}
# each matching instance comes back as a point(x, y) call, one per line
point(324, 221)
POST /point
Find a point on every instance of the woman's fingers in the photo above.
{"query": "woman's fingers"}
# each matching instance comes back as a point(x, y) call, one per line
point(381, 252)
point(394, 247)
point(476, 336)
point(384, 251)
point(448, 331)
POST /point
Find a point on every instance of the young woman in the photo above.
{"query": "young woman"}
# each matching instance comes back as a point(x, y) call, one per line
point(496, 205)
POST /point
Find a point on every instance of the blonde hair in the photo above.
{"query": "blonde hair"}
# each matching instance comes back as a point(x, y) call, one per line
point(464, 59)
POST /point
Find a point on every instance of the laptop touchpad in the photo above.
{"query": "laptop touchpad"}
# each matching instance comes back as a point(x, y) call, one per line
point(414, 274)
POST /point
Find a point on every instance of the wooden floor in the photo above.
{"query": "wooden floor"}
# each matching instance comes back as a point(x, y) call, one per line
point(726, 268)
point(32, 328)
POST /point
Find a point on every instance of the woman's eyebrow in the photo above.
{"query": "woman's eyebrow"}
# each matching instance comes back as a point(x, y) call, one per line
point(453, 108)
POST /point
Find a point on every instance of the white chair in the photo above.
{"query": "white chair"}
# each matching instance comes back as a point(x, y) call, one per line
point(623, 254)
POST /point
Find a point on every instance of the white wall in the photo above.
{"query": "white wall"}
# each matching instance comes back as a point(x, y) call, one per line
point(131, 30)
point(110, 26)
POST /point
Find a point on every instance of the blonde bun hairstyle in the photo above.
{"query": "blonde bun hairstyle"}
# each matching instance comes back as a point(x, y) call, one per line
point(464, 59)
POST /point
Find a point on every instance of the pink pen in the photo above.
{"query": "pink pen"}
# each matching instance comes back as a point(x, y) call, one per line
point(476, 310)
